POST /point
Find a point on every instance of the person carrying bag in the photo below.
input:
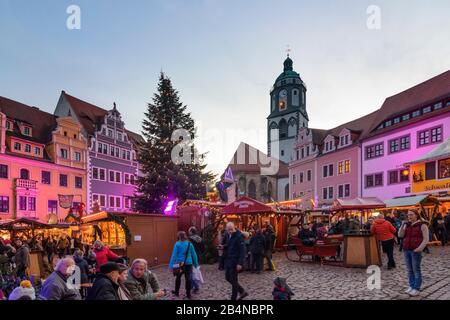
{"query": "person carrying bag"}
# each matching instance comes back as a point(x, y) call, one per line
point(182, 262)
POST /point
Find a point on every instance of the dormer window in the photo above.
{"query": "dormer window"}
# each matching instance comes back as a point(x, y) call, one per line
point(27, 148)
point(27, 131)
point(119, 136)
point(9, 125)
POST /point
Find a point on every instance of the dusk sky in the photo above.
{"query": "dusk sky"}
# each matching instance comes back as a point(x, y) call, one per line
point(223, 56)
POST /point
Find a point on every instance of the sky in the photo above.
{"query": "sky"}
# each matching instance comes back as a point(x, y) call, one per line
point(223, 57)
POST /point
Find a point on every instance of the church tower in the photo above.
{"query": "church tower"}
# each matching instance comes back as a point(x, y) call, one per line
point(287, 113)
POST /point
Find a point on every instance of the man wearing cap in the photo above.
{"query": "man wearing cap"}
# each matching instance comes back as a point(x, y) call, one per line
point(106, 284)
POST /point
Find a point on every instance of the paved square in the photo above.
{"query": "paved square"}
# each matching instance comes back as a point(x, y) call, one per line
point(316, 282)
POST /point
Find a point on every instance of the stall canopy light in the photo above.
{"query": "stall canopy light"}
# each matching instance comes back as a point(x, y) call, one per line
point(405, 172)
point(171, 207)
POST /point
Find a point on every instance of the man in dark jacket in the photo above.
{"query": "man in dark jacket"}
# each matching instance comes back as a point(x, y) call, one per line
point(234, 252)
point(257, 248)
point(22, 258)
point(105, 284)
point(270, 238)
point(56, 286)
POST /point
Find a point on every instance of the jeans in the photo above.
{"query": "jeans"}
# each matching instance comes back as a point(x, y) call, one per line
point(187, 270)
point(412, 261)
point(268, 256)
point(231, 275)
point(194, 284)
point(388, 248)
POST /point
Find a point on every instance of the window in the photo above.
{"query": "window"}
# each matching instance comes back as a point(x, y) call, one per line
point(388, 123)
point(115, 176)
point(100, 198)
point(117, 152)
point(430, 170)
point(294, 179)
point(296, 154)
point(347, 166)
point(45, 177)
point(405, 117)
point(77, 156)
point(52, 207)
point(309, 175)
point(426, 109)
point(347, 190)
point(341, 191)
point(307, 151)
point(99, 147)
point(396, 120)
point(63, 180)
point(374, 151)
point(404, 175)
point(404, 143)
point(65, 133)
point(341, 167)
point(4, 204)
point(330, 170)
point(99, 174)
point(112, 150)
point(105, 148)
point(325, 193)
point(27, 148)
point(127, 178)
point(429, 136)
point(374, 180)
point(325, 171)
point(133, 179)
point(78, 182)
point(115, 202)
point(119, 136)
point(444, 168)
point(301, 177)
point(24, 174)
point(17, 146)
point(31, 204)
point(110, 133)
point(393, 177)
point(37, 151)
point(3, 171)
point(26, 131)
point(438, 106)
point(8, 125)
point(74, 135)
point(416, 113)
point(124, 153)
point(394, 145)
point(64, 154)
point(22, 203)
point(330, 193)
point(344, 190)
point(303, 153)
point(127, 202)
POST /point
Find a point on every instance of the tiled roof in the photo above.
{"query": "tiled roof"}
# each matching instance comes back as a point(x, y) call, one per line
point(248, 159)
point(424, 93)
point(42, 123)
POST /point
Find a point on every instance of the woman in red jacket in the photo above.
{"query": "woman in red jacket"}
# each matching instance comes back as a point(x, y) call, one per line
point(103, 254)
point(385, 233)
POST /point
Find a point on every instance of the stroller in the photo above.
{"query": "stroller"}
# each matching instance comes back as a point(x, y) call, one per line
point(281, 290)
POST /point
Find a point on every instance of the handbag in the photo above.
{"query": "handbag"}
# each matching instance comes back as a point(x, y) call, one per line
point(178, 268)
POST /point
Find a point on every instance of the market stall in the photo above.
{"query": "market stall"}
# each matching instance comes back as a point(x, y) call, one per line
point(247, 213)
point(427, 205)
point(148, 236)
point(361, 249)
point(197, 213)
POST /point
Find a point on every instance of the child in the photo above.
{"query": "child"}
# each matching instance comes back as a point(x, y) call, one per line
point(281, 290)
point(23, 292)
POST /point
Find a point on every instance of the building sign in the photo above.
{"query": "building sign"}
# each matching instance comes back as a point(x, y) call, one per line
point(65, 201)
point(431, 177)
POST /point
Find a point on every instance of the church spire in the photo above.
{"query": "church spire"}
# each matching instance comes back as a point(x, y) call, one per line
point(288, 64)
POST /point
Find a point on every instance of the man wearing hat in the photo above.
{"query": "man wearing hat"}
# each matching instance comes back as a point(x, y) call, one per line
point(106, 284)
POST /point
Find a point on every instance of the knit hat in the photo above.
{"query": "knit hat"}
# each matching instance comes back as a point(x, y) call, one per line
point(122, 267)
point(109, 267)
point(26, 284)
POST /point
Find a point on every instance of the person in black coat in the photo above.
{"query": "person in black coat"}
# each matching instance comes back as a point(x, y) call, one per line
point(106, 284)
point(234, 252)
point(306, 235)
point(257, 248)
point(82, 264)
point(270, 238)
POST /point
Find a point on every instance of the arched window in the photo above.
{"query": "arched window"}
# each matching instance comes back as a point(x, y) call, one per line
point(282, 100)
point(252, 189)
point(286, 192)
point(241, 190)
point(24, 174)
point(283, 127)
point(295, 97)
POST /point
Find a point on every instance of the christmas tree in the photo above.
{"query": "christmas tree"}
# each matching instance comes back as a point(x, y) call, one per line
point(169, 161)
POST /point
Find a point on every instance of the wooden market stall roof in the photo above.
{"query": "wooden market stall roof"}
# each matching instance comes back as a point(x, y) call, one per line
point(246, 205)
point(203, 203)
point(357, 204)
point(23, 223)
point(411, 201)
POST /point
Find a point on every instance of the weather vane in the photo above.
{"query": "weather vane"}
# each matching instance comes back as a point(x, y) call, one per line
point(288, 49)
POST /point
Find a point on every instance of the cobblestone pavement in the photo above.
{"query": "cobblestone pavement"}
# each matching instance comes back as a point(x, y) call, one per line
point(316, 282)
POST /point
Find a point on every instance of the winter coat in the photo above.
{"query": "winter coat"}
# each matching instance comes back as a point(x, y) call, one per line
point(234, 250)
point(179, 254)
point(103, 289)
point(269, 237)
point(55, 288)
point(22, 257)
point(383, 230)
point(415, 235)
point(63, 244)
point(144, 288)
point(258, 244)
point(84, 269)
point(50, 247)
point(103, 255)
